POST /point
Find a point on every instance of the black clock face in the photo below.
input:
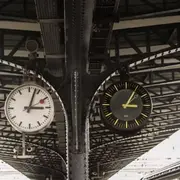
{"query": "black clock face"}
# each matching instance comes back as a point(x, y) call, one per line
point(126, 106)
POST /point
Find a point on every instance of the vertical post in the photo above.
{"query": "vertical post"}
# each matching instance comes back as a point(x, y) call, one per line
point(23, 144)
point(78, 17)
point(1, 44)
point(117, 49)
point(178, 35)
point(148, 46)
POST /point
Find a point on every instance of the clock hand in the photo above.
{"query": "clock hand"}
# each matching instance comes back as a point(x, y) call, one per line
point(41, 100)
point(130, 105)
point(30, 104)
point(130, 98)
point(36, 107)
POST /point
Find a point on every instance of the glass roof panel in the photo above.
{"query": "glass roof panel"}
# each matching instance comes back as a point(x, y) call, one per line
point(9, 173)
point(165, 153)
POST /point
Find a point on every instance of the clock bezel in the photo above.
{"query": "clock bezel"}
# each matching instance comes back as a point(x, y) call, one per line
point(118, 129)
point(17, 128)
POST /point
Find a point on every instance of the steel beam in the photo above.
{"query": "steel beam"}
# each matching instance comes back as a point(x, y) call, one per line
point(1, 44)
point(79, 15)
point(157, 69)
point(17, 47)
point(131, 51)
point(132, 44)
point(138, 23)
point(21, 26)
point(165, 113)
point(151, 15)
point(165, 95)
point(164, 83)
point(51, 36)
point(23, 53)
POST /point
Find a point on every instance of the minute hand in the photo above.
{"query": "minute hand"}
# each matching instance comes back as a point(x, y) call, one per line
point(30, 104)
point(129, 100)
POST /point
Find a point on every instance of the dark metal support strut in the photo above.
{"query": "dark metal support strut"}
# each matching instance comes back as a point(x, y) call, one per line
point(1, 44)
point(79, 21)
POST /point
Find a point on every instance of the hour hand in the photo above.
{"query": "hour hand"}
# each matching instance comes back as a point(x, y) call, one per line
point(36, 107)
point(129, 105)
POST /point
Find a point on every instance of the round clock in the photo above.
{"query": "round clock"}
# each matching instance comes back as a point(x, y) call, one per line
point(126, 106)
point(29, 108)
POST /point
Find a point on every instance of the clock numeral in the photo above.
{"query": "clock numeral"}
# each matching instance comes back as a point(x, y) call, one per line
point(108, 94)
point(108, 114)
point(45, 116)
point(120, 124)
point(143, 114)
point(10, 108)
point(29, 126)
point(126, 124)
point(29, 89)
point(20, 123)
point(48, 107)
point(125, 85)
point(105, 104)
point(116, 87)
point(38, 123)
point(20, 92)
point(144, 95)
point(13, 117)
point(116, 121)
point(13, 99)
point(38, 92)
point(137, 122)
point(146, 105)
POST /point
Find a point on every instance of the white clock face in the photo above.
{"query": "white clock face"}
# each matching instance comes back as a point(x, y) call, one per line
point(29, 108)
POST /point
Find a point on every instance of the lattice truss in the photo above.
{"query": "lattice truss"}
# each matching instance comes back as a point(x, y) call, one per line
point(132, 42)
point(158, 71)
point(109, 149)
point(50, 154)
point(160, 75)
point(146, 48)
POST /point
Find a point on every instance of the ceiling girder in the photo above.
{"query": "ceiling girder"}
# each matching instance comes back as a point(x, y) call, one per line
point(146, 22)
point(21, 26)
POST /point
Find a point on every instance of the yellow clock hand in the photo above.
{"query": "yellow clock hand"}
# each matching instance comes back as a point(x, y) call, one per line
point(130, 105)
point(128, 101)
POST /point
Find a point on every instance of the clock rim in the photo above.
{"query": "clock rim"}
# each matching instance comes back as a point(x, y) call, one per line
point(129, 130)
point(17, 127)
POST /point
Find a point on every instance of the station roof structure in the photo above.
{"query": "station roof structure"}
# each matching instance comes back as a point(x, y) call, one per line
point(141, 34)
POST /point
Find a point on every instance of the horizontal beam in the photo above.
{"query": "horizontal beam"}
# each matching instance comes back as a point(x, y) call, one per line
point(131, 51)
point(166, 105)
point(137, 23)
point(23, 53)
point(22, 26)
point(155, 69)
point(153, 14)
point(165, 113)
point(164, 83)
point(165, 95)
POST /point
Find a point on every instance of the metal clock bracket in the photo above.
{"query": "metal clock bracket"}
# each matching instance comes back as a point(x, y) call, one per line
point(124, 72)
point(24, 149)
